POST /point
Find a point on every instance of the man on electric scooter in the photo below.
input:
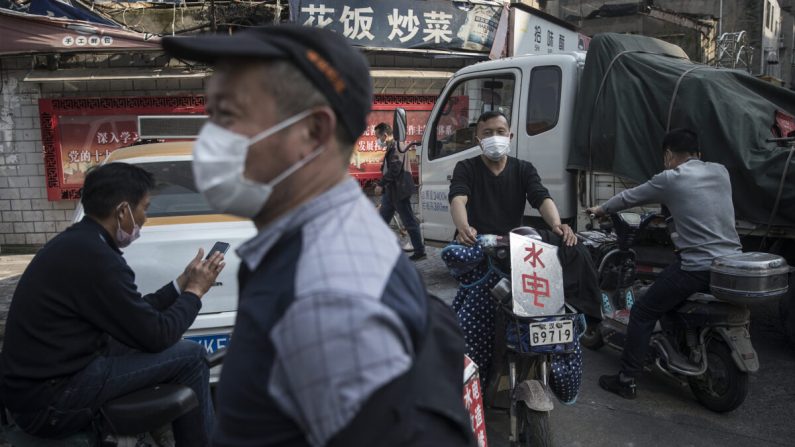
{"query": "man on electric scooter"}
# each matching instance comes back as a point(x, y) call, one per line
point(698, 196)
point(487, 196)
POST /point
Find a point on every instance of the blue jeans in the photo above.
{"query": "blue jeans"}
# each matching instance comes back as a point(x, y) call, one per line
point(403, 208)
point(121, 371)
point(670, 289)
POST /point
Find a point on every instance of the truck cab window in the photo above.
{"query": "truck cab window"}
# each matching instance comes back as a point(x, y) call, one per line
point(544, 99)
point(454, 128)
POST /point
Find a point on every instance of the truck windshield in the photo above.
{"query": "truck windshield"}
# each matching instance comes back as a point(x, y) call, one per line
point(454, 127)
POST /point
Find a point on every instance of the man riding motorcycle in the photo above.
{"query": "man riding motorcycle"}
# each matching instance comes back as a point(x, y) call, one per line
point(698, 196)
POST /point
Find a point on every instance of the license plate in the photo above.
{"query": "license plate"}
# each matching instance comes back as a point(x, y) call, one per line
point(211, 342)
point(551, 332)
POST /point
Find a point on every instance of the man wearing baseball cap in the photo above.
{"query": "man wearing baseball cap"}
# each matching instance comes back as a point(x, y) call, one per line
point(336, 341)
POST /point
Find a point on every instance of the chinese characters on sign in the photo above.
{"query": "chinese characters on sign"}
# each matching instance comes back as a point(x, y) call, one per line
point(533, 34)
point(473, 401)
point(428, 24)
point(78, 133)
point(87, 140)
point(537, 278)
point(367, 156)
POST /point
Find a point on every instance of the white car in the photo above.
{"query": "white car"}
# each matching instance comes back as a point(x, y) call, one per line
point(179, 221)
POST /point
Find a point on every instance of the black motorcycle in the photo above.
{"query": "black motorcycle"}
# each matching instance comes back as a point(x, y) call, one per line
point(705, 340)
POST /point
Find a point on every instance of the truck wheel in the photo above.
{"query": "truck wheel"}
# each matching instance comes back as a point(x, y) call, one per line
point(723, 386)
point(533, 427)
point(592, 337)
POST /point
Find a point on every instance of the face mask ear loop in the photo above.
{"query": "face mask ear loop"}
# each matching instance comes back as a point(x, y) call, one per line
point(301, 163)
point(284, 124)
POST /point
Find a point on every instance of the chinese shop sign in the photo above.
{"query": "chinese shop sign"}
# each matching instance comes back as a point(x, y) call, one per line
point(429, 24)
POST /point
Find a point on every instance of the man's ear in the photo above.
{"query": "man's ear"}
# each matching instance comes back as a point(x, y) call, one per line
point(322, 127)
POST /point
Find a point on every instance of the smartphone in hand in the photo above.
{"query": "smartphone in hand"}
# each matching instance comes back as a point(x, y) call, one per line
point(219, 246)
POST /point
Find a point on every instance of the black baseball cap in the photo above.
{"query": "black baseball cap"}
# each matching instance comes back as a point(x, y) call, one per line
point(326, 58)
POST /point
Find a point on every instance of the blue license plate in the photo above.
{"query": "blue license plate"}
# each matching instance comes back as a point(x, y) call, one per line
point(212, 342)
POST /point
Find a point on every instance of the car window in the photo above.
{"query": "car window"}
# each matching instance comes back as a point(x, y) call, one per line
point(454, 128)
point(175, 192)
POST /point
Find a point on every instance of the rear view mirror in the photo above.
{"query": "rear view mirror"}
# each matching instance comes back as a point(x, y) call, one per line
point(493, 85)
point(399, 125)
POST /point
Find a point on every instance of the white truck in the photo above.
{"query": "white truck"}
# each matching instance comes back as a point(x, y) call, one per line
point(543, 97)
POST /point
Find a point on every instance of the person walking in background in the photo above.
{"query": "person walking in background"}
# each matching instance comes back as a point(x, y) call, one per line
point(397, 185)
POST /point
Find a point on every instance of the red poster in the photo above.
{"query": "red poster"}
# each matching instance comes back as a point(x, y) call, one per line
point(366, 160)
point(473, 401)
point(87, 140)
point(78, 133)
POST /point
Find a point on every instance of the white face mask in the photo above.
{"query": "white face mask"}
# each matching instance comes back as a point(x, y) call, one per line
point(219, 159)
point(496, 147)
point(123, 238)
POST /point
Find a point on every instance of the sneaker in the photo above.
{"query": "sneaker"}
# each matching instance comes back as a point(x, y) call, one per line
point(418, 256)
point(619, 384)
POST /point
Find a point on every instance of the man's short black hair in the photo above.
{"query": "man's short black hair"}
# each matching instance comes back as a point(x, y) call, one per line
point(681, 141)
point(108, 185)
point(383, 129)
point(491, 114)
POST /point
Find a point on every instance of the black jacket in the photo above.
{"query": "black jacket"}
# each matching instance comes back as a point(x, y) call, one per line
point(397, 180)
point(76, 293)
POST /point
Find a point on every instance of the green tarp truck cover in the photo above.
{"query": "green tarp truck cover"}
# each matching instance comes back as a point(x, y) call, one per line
point(634, 88)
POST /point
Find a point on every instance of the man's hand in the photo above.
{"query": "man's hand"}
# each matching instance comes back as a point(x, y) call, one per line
point(200, 274)
point(467, 236)
point(378, 190)
point(565, 231)
point(597, 211)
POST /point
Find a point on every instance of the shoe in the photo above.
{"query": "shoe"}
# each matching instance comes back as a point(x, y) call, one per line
point(619, 384)
point(418, 256)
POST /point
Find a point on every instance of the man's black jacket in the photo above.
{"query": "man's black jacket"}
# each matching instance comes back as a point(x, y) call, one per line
point(76, 293)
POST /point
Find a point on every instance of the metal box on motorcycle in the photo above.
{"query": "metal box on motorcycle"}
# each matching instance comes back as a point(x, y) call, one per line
point(749, 278)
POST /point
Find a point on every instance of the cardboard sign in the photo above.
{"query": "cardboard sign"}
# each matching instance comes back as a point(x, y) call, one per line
point(473, 401)
point(536, 277)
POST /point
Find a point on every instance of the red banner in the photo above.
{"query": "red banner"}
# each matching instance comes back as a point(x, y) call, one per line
point(78, 133)
point(473, 401)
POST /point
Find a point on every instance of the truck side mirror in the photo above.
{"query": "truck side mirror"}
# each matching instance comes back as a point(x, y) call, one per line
point(399, 125)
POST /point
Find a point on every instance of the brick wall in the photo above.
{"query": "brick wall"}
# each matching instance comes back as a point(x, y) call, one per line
point(27, 218)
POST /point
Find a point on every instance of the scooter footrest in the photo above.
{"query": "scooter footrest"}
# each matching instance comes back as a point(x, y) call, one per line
point(672, 356)
point(148, 409)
